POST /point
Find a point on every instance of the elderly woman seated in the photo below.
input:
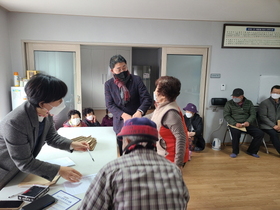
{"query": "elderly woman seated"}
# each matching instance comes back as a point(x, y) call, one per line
point(74, 119)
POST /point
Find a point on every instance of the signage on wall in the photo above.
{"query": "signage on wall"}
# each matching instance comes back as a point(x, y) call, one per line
point(215, 75)
point(251, 36)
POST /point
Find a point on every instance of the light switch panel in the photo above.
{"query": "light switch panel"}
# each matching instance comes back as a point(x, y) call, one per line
point(223, 87)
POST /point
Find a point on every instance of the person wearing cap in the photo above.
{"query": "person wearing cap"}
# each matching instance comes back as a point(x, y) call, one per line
point(269, 116)
point(240, 112)
point(140, 179)
point(173, 134)
point(126, 95)
point(194, 124)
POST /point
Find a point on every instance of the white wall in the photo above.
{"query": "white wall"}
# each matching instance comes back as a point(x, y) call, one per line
point(6, 75)
point(238, 67)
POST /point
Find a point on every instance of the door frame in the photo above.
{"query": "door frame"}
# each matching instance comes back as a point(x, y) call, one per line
point(203, 51)
point(30, 47)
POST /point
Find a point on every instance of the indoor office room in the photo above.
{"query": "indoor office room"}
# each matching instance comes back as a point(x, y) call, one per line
point(187, 40)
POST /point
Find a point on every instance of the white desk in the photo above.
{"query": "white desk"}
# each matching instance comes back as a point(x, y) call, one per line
point(105, 151)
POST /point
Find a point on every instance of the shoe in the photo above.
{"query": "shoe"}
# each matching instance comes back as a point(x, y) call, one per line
point(254, 155)
point(197, 149)
point(233, 155)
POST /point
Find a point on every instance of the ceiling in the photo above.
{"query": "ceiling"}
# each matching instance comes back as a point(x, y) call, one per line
point(259, 11)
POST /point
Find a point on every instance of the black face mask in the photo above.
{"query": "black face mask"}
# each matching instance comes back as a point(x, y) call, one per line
point(122, 76)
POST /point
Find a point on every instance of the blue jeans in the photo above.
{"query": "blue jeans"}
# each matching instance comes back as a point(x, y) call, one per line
point(255, 144)
point(274, 138)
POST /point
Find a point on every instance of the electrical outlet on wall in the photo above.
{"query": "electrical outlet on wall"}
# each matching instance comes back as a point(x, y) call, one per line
point(221, 120)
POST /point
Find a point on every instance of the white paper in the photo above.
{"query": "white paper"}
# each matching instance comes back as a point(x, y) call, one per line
point(65, 161)
point(64, 201)
point(79, 187)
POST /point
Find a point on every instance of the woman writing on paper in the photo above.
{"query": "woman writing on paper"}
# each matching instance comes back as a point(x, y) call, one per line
point(24, 131)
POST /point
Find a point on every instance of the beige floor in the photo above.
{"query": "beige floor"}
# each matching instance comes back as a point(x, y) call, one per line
point(218, 182)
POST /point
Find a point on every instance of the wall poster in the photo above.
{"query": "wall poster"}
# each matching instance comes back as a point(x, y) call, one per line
point(251, 36)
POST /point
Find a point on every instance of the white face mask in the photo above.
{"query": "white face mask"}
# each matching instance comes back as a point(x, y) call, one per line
point(188, 115)
point(57, 109)
point(90, 117)
point(110, 115)
point(236, 100)
point(155, 97)
point(75, 121)
point(275, 95)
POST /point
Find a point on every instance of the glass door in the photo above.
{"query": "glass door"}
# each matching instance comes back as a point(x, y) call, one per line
point(189, 65)
point(60, 61)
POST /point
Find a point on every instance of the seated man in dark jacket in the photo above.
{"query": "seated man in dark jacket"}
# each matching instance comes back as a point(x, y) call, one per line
point(269, 114)
point(240, 113)
point(195, 127)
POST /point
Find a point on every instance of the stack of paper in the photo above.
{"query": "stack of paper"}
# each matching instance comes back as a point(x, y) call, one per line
point(242, 129)
point(90, 140)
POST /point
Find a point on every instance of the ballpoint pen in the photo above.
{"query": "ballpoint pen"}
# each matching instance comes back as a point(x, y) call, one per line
point(90, 154)
point(11, 196)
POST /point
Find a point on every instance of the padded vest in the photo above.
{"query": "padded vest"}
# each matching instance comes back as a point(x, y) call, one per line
point(168, 149)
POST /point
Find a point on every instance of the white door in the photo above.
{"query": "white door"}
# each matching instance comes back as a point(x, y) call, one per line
point(189, 65)
point(63, 62)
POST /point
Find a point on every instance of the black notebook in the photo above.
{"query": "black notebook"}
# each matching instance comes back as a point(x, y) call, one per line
point(40, 203)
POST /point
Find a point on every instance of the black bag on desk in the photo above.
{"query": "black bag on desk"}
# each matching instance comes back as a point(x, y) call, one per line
point(40, 203)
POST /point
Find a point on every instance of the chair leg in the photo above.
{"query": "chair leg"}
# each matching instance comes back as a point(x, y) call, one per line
point(225, 137)
point(265, 146)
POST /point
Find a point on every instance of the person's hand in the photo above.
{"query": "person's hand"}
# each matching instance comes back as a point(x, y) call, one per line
point(191, 134)
point(277, 128)
point(80, 146)
point(70, 174)
point(137, 114)
point(94, 119)
point(246, 124)
point(126, 116)
point(191, 138)
point(239, 125)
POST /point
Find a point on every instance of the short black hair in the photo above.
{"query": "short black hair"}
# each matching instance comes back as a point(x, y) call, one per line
point(116, 59)
point(87, 111)
point(73, 112)
point(169, 87)
point(44, 88)
point(276, 87)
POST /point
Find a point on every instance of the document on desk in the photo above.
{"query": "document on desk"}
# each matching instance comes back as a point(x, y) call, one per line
point(79, 187)
point(64, 161)
point(64, 201)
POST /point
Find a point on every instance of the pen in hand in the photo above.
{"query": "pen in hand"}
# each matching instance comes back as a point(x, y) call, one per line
point(90, 154)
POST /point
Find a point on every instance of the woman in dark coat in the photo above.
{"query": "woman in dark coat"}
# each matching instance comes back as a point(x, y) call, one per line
point(194, 124)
